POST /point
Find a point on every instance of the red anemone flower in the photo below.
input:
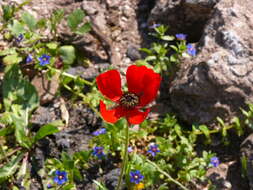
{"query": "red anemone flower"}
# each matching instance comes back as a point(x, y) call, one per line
point(143, 84)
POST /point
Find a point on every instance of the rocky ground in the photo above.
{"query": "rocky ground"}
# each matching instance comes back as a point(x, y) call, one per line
point(216, 82)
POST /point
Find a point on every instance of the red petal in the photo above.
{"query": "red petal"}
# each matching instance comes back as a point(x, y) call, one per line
point(144, 82)
point(111, 115)
point(136, 117)
point(109, 84)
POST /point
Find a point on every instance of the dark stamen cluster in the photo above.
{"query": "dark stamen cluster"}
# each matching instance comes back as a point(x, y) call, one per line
point(129, 100)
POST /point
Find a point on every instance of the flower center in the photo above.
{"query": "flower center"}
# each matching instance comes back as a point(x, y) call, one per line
point(154, 149)
point(136, 177)
point(60, 177)
point(129, 100)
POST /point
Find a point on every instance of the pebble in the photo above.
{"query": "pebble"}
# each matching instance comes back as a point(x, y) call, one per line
point(227, 184)
point(133, 53)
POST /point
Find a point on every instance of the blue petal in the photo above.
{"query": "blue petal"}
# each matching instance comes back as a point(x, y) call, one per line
point(56, 179)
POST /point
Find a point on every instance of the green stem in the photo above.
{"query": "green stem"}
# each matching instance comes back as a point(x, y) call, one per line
point(167, 175)
point(125, 158)
point(71, 76)
point(4, 154)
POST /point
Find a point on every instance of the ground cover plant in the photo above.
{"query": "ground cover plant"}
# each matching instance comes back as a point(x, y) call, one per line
point(144, 153)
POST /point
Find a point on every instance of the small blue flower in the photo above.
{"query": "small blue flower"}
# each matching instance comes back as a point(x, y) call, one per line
point(153, 149)
point(29, 59)
point(130, 149)
point(153, 26)
point(214, 161)
point(181, 36)
point(191, 50)
point(98, 152)
point(49, 186)
point(136, 177)
point(19, 38)
point(99, 132)
point(44, 59)
point(61, 177)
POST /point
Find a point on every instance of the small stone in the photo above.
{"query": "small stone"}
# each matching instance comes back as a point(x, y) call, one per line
point(133, 53)
point(227, 185)
point(113, 3)
point(91, 7)
point(46, 89)
point(126, 10)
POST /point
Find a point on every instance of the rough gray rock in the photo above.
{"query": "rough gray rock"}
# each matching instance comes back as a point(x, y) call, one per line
point(247, 152)
point(187, 16)
point(218, 81)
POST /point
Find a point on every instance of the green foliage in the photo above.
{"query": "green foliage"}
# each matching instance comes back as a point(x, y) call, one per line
point(29, 20)
point(47, 129)
point(177, 162)
point(72, 164)
point(18, 91)
point(56, 18)
point(16, 28)
point(10, 168)
point(164, 57)
point(75, 19)
point(67, 54)
point(8, 12)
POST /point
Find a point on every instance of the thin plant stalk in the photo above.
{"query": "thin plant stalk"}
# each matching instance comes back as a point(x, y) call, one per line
point(125, 158)
point(167, 175)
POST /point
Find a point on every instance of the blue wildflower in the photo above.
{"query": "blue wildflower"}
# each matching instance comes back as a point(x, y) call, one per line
point(191, 50)
point(99, 132)
point(181, 36)
point(136, 177)
point(98, 152)
point(19, 38)
point(61, 177)
point(49, 186)
point(153, 26)
point(214, 161)
point(29, 59)
point(153, 149)
point(130, 149)
point(44, 59)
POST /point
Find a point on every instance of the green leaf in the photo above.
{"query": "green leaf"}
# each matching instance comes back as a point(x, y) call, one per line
point(29, 20)
point(47, 129)
point(10, 168)
point(8, 12)
point(57, 16)
point(101, 186)
point(12, 59)
point(41, 23)
point(21, 122)
point(16, 28)
point(52, 45)
point(68, 187)
point(239, 129)
point(173, 58)
point(75, 18)
point(67, 54)
point(167, 38)
point(206, 132)
point(20, 98)
point(18, 90)
point(8, 51)
point(83, 29)
point(6, 131)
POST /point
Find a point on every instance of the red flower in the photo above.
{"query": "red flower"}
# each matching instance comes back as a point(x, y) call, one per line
point(143, 84)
